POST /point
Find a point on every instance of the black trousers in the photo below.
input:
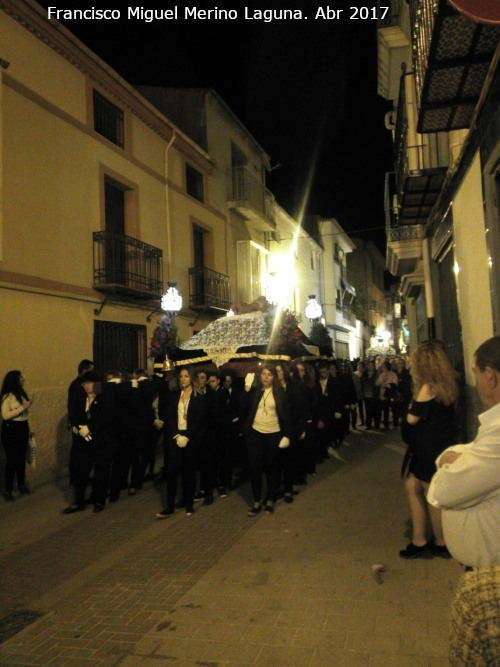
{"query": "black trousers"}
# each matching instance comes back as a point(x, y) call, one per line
point(263, 457)
point(15, 435)
point(82, 461)
point(184, 461)
point(288, 459)
point(86, 455)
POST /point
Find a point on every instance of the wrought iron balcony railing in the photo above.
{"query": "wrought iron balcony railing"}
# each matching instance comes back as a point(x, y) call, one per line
point(390, 201)
point(405, 233)
point(451, 55)
point(126, 265)
point(249, 194)
point(421, 160)
point(348, 317)
point(209, 290)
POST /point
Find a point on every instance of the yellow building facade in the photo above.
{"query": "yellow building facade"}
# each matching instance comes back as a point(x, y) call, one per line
point(99, 192)
point(104, 200)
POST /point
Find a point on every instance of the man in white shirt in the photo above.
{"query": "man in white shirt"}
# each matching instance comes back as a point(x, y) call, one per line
point(466, 485)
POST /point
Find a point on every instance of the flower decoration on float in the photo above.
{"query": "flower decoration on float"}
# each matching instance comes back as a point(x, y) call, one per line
point(164, 340)
point(285, 335)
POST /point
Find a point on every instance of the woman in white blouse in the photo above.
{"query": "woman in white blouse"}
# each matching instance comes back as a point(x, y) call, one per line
point(186, 411)
point(267, 430)
point(15, 431)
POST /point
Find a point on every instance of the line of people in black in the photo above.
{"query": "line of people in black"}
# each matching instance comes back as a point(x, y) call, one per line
point(219, 430)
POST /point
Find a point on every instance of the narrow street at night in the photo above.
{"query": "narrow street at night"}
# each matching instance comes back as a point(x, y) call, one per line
point(219, 588)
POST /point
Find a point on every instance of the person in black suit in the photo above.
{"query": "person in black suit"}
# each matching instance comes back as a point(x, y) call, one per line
point(143, 432)
point(234, 442)
point(94, 446)
point(206, 454)
point(166, 385)
point(329, 406)
point(76, 409)
point(186, 412)
point(289, 456)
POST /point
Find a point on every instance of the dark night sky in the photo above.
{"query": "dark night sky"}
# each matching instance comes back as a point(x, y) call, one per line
point(306, 90)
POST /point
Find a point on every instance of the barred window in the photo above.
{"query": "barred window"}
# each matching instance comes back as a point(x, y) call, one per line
point(194, 183)
point(108, 119)
point(119, 346)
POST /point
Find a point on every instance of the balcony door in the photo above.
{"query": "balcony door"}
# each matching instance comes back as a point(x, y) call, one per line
point(114, 215)
point(199, 264)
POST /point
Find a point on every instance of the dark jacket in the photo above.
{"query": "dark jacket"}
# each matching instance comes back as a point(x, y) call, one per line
point(297, 409)
point(330, 402)
point(195, 415)
point(76, 403)
point(101, 420)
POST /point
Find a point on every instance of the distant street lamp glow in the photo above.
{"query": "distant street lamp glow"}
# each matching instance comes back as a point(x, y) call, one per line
point(171, 301)
point(313, 309)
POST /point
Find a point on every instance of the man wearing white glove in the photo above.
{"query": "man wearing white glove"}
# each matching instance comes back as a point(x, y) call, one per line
point(181, 441)
point(95, 448)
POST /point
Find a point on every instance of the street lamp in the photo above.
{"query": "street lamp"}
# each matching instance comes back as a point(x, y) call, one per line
point(171, 301)
point(313, 309)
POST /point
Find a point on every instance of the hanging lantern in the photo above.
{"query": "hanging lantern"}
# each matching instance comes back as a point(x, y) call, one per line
point(171, 301)
point(313, 308)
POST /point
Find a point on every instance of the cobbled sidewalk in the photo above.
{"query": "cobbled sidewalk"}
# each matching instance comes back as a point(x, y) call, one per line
point(219, 588)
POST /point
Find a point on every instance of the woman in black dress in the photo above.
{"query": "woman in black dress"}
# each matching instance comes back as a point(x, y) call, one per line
point(15, 431)
point(432, 429)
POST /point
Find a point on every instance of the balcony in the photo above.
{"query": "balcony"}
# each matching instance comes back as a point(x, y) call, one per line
point(348, 317)
point(421, 160)
point(404, 248)
point(412, 283)
point(451, 56)
point(127, 267)
point(251, 199)
point(393, 45)
point(209, 291)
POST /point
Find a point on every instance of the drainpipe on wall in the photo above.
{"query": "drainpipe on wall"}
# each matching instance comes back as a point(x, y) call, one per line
point(167, 208)
point(429, 296)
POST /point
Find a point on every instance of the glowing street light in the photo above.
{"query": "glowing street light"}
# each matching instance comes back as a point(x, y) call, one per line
point(313, 309)
point(171, 301)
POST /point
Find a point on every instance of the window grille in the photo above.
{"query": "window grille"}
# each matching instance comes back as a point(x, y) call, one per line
point(119, 346)
point(108, 120)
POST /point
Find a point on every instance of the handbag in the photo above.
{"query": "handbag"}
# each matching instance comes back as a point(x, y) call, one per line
point(31, 452)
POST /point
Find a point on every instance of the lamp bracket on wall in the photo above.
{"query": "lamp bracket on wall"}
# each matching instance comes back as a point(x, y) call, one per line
point(191, 324)
point(156, 310)
point(98, 311)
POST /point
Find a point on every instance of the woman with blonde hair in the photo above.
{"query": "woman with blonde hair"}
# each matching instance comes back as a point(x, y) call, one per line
point(432, 428)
